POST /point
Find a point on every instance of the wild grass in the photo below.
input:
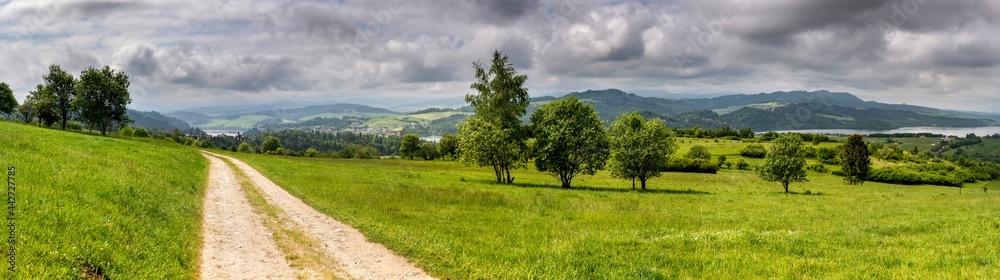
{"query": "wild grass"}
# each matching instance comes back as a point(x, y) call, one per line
point(98, 206)
point(452, 220)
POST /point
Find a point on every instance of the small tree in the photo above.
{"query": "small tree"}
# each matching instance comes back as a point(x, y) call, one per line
point(639, 148)
point(742, 165)
point(26, 111)
point(102, 97)
point(271, 144)
point(7, 101)
point(854, 160)
point(429, 151)
point(784, 163)
point(722, 161)
point(312, 152)
point(410, 146)
point(698, 152)
point(449, 145)
point(44, 108)
point(570, 139)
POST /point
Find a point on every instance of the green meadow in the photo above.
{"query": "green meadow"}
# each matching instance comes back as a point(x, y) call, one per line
point(91, 206)
point(454, 221)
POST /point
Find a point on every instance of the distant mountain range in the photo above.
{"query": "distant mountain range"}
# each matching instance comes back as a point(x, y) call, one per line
point(761, 112)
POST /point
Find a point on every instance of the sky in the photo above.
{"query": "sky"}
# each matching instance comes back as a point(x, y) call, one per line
point(196, 53)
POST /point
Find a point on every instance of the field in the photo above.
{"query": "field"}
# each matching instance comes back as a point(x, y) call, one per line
point(397, 122)
point(89, 205)
point(452, 220)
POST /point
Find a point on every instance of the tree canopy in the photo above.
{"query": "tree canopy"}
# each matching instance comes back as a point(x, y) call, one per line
point(784, 162)
point(640, 149)
point(854, 160)
point(102, 97)
point(60, 85)
point(570, 139)
point(7, 101)
point(410, 146)
point(495, 136)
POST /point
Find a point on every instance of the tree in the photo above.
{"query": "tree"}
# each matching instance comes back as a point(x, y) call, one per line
point(722, 161)
point(854, 160)
point(639, 148)
point(26, 111)
point(429, 151)
point(44, 107)
point(698, 152)
point(102, 97)
point(784, 163)
point(271, 144)
point(141, 132)
point(570, 139)
point(410, 146)
point(244, 148)
point(126, 132)
point(61, 85)
point(495, 136)
point(7, 101)
point(449, 145)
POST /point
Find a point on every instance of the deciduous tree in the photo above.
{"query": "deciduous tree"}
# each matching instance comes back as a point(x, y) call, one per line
point(639, 148)
point(698, 152)
point(7, 101)
point(61, 85)
point(44, 106)
point(102, 97)
point(784, 162)
point(494, 136)
point(570, 139)
point(410, 146)
point(449, 145)
point(855, 162)
point(271, 144)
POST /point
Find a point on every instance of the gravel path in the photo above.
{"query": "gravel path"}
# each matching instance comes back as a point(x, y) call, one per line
point(236, 245)
point(342, 243)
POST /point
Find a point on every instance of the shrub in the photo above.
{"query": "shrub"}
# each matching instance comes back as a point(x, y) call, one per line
point(207, 144)
point(244, 148)
point(271, 145)
point(698, 152)
point(126, 132)
point(827, 153)
point(817, 167)
point(754, 151)
point(722, 160)
point(312, 152)
point(141, 132)
point(691, 165)
point(742, 165)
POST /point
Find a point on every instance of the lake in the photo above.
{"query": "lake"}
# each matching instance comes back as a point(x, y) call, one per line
point(955, 131)
point(222, 132)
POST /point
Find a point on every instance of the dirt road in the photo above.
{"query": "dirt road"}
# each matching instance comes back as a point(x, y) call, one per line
point(238, 246)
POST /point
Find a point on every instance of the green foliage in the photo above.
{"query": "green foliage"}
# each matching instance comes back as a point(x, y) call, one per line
point(356, 151)
point(449, 145)
point(410, 146)
point(742, 165)
point(62, 87)
point(698, 152)
point(754, 151)
point(784, 162)
point(102, 96)
point(271, 144)
point(570, 140)
point(126, 131)
point(691, 165)
point(494, 136)
point(639, 148)
point(930, 173)
point(7, 101)
point(429, 151)
point(722, 160)
point(855, 162)
point(44, 104)
point(244, 148)
point(129, 209)
point(818, 167)
point(312, 152)
point(141, 132)
point(27, 110)
point(827, 153)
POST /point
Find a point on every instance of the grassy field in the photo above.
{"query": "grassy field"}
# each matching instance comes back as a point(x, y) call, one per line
point(452, 220)
point(91, 205)
point(990, 147)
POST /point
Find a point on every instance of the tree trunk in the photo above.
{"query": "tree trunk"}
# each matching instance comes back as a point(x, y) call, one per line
point(566, 180)
point(643, 181)
point(633, 183)
point(786, 186)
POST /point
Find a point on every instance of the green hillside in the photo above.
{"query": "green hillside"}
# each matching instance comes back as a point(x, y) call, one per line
point(124, 209)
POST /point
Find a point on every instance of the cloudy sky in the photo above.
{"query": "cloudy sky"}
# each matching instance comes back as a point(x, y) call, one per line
point(193, 53)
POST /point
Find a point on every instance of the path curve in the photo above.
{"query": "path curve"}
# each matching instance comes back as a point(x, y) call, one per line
point(236, 245)
point(357, 256)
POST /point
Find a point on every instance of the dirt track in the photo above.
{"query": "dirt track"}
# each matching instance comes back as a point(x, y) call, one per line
point(238, 246)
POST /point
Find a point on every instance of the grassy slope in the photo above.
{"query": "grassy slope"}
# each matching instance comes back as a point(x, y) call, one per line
point(126, 209)
point(451, 219)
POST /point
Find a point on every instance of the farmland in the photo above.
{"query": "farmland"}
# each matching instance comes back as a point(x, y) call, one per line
point(452, 220)
point(100, 206)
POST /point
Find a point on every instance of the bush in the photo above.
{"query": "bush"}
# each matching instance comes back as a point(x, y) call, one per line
point(141, 132)
point(742, 165)
point(207, 144)
point(817, 167)
point(312, 152)
point(932, 174)
point(126, 132)
point(691, 165)
point(722, 160)
point(271, 145)
point(827, 153)
point(244, 148)
point(754, 151)
point(698, 152)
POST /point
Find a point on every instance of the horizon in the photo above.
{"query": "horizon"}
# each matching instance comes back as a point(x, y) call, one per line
point(190, 54)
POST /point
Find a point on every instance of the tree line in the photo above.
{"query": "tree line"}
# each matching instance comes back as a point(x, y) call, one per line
point(97, 99)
